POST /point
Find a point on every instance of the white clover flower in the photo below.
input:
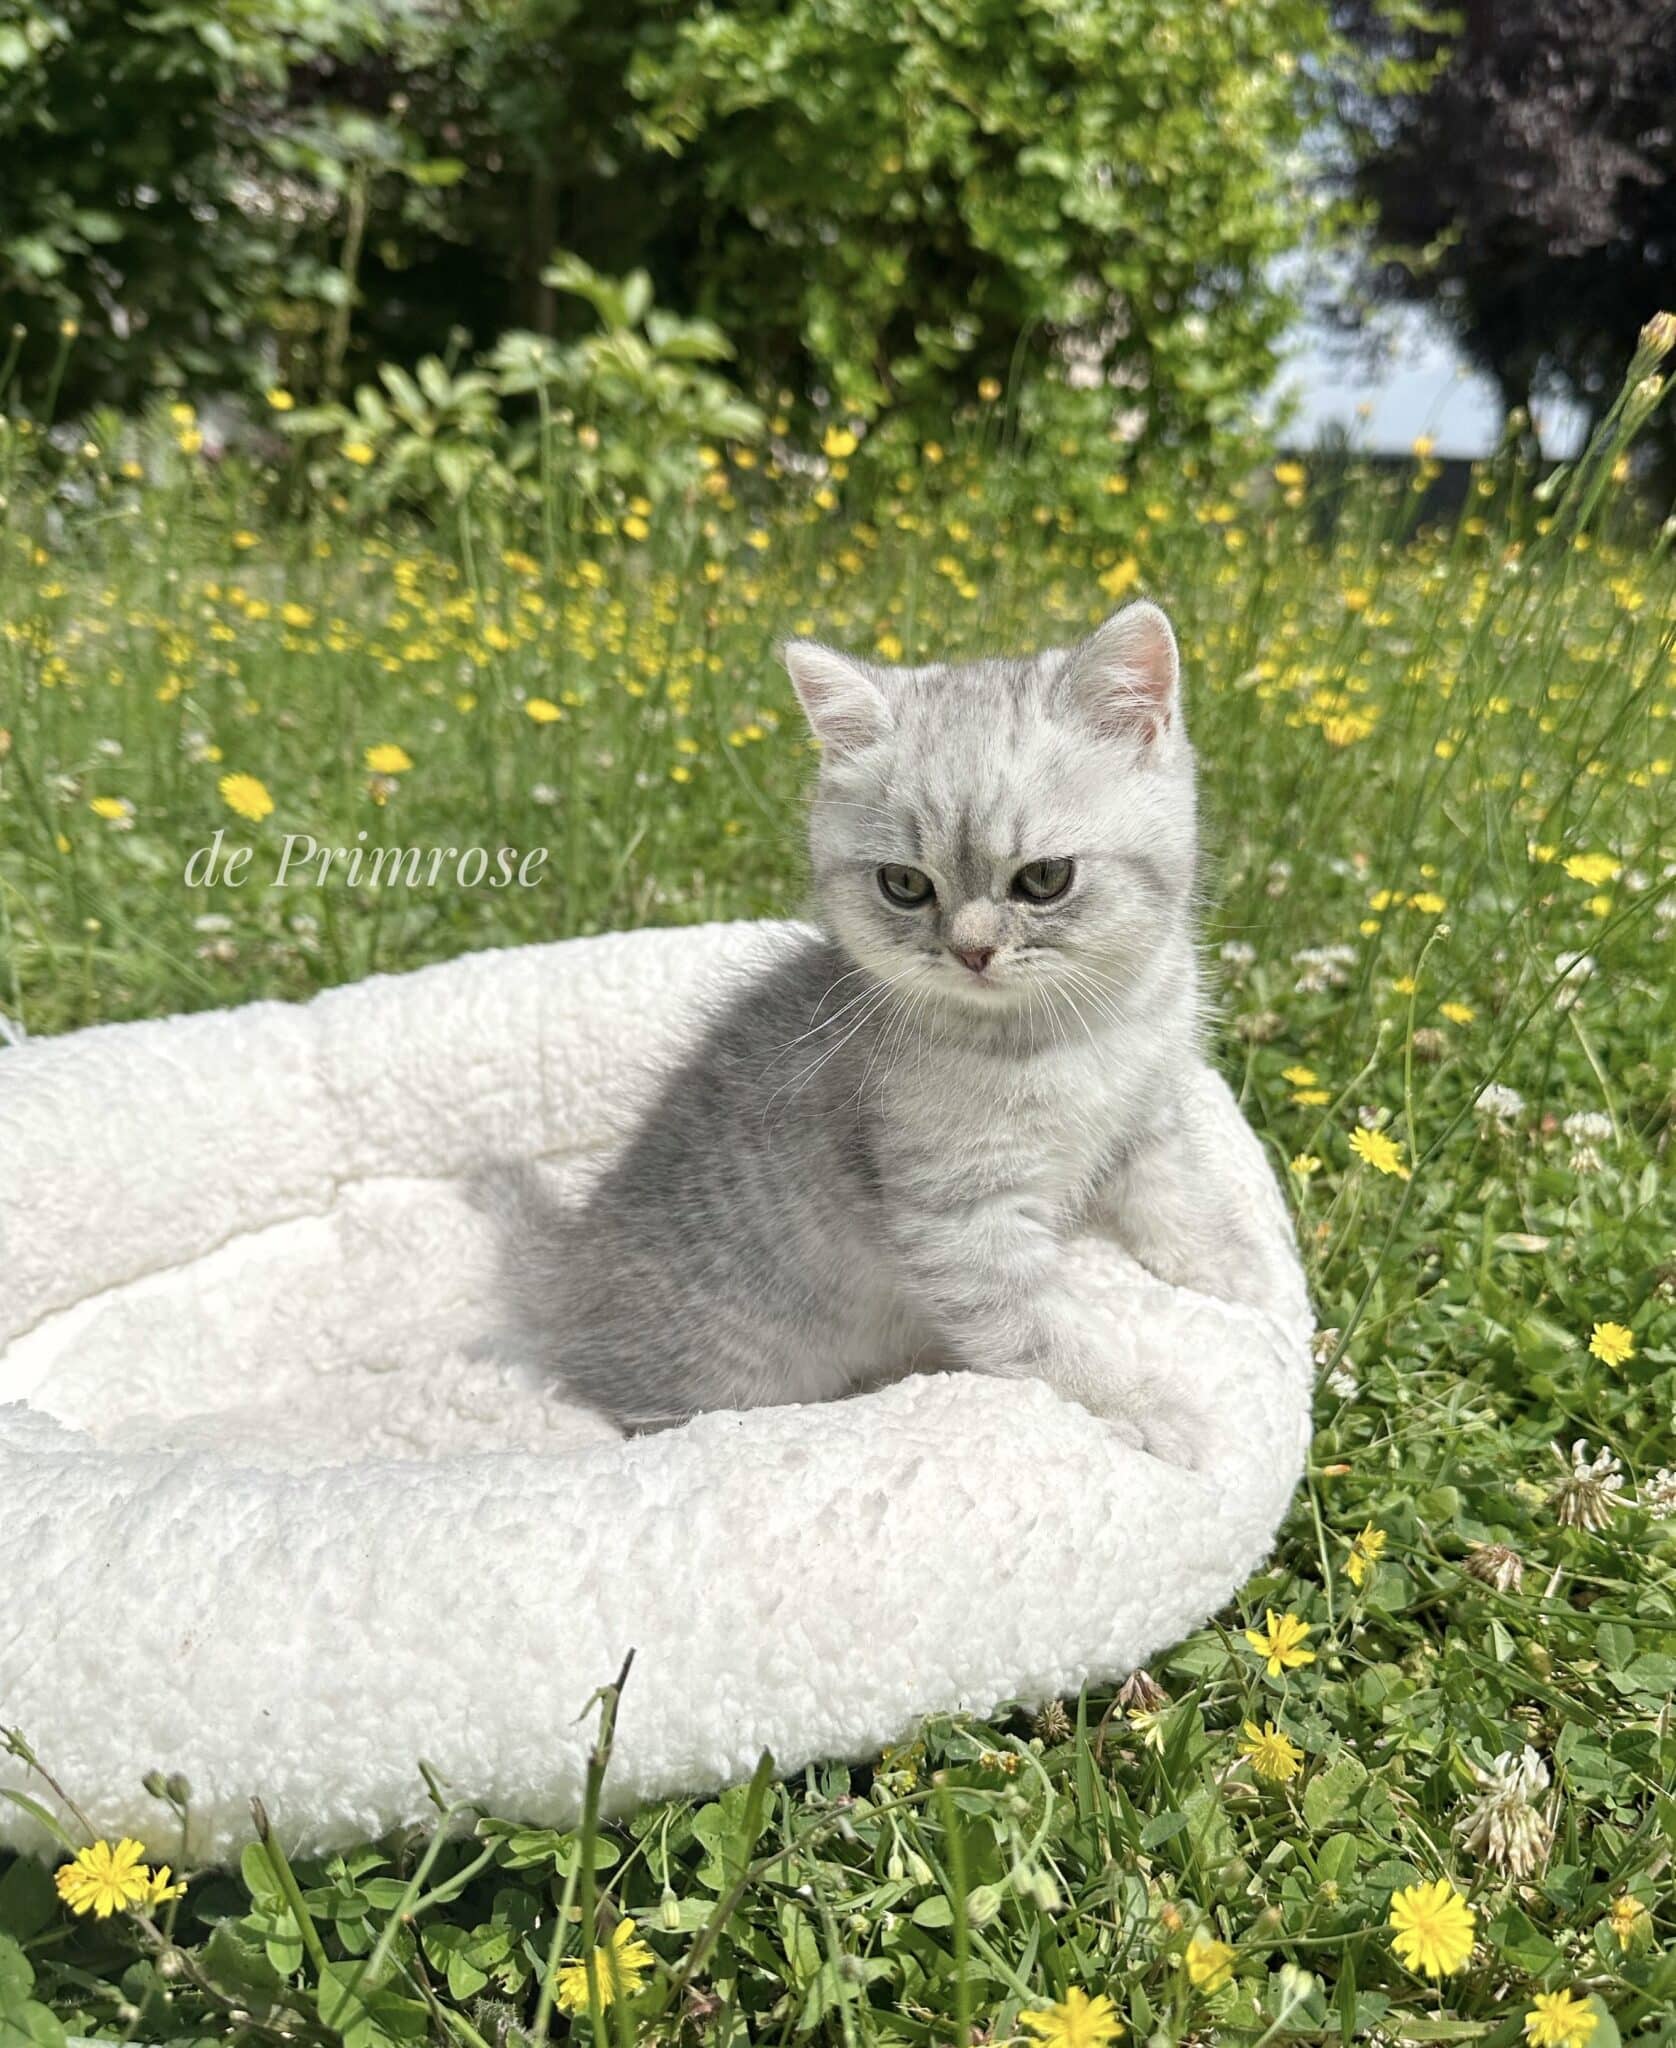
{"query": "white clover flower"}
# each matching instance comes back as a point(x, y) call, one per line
point(1323, 968)
point(1496, 1564)
point(1574, 969)
point(1499, 1106)
point(1586, 1496)
point(1507, 1824)
point(1660, 1497)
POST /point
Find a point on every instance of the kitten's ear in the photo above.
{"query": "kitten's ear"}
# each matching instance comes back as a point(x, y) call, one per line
point(845, 707)
point(1127, 674)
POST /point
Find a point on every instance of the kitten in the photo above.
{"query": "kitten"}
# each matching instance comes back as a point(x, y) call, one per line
point(876, 1153)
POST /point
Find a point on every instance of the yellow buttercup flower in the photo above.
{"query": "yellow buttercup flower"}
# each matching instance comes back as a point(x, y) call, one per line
point(542, 710)
point(1612, 1343)
point(247, 796)
point(388, 759)
point(618, 1968)
point(104, 1878)
point(1380, 1152)
point(1458, 1013)
point(1077, 2021)
point(1593, 868)
point(838, 443)
point(1271, 1753)
point(1560, 2019)
point(358, 452)
point(1365, 1553)
point(1210, 1963)
point(1434, 1928)
point(280, 400)
point(1280, 1642)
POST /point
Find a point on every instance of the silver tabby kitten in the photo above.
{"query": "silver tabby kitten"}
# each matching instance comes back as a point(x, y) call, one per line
point(876, 1153)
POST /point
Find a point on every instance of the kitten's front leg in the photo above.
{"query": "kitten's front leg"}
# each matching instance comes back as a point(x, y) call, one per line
point(990, 1275)
point(1194, 1217)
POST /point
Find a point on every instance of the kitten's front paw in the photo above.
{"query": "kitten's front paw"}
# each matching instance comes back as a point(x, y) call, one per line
point(1166, 1425)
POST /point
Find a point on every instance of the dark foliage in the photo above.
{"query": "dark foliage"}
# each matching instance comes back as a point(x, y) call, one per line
point(1524, 171)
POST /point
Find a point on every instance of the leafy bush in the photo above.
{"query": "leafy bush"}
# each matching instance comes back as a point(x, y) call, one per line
point(882, 201)
point(623, 410)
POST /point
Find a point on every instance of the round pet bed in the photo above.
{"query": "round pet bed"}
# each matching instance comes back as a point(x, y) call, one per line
point(281, 1510)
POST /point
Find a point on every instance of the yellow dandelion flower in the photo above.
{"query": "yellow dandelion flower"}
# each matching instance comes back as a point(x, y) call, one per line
point(358, 452)
point(989, 389)
point(161, 1887)
point(191, 442)
point(1560, 2019)
point(617, 1968)
point(1365, 1552)
point(1280, 1642)
point(104, 1878)
point(1077, 2021)
point(1593, 868)
point(246, 796)
point(1312, 1098)
point(1291, 476)
point(1123, 575)
point(1428, 901)
point(1300, 1077)
point(542, 709)
point(1303, 1164)
point(839, 444)
point(279, 399)
point(1379, 1151)
point(680, 772)
point(111, 808)
point(244, 538)
point(1423, 446)
point(1612, 1343)
point(1271, 1753)
point(1433, 1928)
point(635, 527)
point(1458, 1013)
point(1357, 599)
point(388, 759)
point(1210, 1963)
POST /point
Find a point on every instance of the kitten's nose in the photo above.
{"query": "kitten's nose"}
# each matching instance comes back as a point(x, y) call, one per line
point(975, 957)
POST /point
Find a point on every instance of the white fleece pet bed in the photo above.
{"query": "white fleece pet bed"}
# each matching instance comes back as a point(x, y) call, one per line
point(277, 1510)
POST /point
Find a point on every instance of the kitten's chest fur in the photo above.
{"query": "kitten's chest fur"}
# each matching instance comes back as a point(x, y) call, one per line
point(1041, 1121)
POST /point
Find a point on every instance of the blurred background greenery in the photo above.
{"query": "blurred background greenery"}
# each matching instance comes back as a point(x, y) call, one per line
point(871, 205)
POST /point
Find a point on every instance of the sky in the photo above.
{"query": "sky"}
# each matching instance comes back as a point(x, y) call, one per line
point(1413, 381)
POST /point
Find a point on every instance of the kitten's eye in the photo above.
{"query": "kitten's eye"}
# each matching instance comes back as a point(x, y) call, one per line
point(905, 886)
point(1041, 881)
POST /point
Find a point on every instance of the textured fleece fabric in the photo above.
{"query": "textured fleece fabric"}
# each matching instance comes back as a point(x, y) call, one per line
point(280, 1508)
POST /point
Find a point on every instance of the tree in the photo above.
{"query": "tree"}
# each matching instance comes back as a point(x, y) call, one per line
point(1522, 175)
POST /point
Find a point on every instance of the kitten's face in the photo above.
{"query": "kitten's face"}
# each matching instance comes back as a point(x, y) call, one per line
point(1002, 831)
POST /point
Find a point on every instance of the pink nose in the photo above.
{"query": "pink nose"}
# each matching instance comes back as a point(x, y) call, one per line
point(975, 957)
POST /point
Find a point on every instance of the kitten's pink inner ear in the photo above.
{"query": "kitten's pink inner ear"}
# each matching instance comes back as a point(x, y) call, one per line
point(1128, 674)
point(845, 707)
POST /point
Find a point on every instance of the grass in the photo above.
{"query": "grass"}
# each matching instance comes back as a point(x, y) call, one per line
point(1437, 766)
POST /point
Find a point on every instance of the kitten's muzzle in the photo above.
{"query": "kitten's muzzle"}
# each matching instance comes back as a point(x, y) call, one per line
point(975, 957)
